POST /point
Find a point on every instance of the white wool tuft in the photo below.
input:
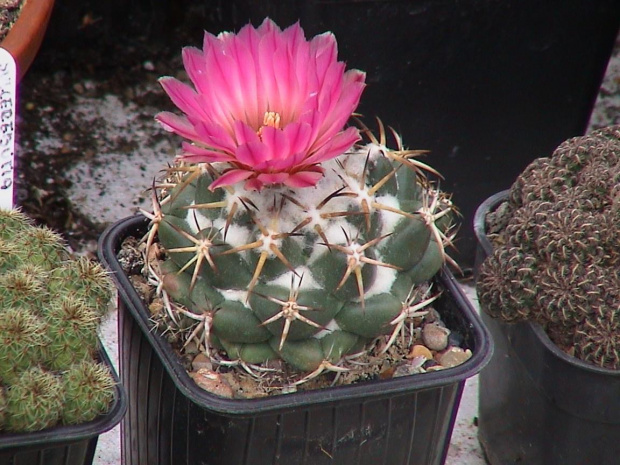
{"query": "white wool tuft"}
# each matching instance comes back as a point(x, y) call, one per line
point(388, 218)
point(307, 281)
point(236, 295)
point(197, 221)
point(329, 328)
point(384, 279)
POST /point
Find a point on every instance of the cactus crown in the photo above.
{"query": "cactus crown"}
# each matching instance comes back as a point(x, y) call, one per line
point(557, 256)
point(51, 306)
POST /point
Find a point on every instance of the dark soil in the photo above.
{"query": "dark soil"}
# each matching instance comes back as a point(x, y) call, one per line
point(114, 51)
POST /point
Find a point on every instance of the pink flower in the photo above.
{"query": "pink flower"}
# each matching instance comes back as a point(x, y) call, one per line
point(268, 103)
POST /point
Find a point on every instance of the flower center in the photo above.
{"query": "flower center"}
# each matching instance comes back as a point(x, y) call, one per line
point(270, 119)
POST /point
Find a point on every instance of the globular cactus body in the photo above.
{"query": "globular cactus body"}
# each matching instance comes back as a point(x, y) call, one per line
point(306, 275)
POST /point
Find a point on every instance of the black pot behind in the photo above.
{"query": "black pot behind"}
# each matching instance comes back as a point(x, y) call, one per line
point(538, 405)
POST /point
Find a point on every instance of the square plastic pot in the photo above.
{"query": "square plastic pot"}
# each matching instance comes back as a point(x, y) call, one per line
point(64, 445)
point(538, 405)
point(171, 421)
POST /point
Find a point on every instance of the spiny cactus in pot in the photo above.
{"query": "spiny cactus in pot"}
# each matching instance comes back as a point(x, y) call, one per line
point(556, 254)
point(277, 234)
point(51, 306)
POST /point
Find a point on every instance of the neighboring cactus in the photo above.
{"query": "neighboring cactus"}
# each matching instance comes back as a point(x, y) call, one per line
point(556, 258)
point(282, 237)
point(51, 306)
point(72, 332)
point(34, 401)
point(89, 390)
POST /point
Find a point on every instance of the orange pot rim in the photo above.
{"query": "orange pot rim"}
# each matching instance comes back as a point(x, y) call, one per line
point(25, 37)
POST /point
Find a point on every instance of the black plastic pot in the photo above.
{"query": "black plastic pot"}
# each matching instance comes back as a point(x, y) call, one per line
point(63, 445)
point(171, 421)
point(538, 405)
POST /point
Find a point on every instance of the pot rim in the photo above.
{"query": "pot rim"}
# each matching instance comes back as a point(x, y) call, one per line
point(25, 37)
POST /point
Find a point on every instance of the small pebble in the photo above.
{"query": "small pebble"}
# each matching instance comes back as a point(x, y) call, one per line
point(410, 368)
point(429, 364)
point(419, 350)
point(432, 316)
point(435, 337)
point(212, 382)
point(453, 357)
point(201, 361)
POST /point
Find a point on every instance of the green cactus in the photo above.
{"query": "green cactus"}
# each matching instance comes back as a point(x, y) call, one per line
point(556, 257)
point(50, 309)
point(84, 279)
point(305, 275)
point(89, 390)
point(22, 342)
point(34, 401)
point(72, 332)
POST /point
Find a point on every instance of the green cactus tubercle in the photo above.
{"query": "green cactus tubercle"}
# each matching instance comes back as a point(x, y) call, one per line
point(306, 275)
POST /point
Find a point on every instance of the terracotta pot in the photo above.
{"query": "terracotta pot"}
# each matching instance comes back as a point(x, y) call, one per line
point(26, 35)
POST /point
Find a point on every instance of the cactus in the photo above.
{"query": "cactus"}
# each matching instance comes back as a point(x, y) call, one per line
point(72, 331)
point(278, 245)
point(557, 255)
point(34, 401)
point(51, 306)
point(89, 390)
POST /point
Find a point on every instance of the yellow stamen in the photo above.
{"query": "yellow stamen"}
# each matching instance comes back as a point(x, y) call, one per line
point(271, 119)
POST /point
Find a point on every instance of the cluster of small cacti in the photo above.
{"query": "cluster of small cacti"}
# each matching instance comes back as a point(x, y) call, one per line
point(305, 275)
point(50, 309)
point(558, 251)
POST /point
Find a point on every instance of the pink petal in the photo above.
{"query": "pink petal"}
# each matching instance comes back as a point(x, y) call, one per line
point(195, 154)
point(196, 67)
point(178, 124)
point(299, 137)
point(304, 179)
point(272, 178)
point(229, 178)
point(244, 134)
point(253, 184)
point(183, 97)
point(276, 143)
point(336, 146)
point(215, 136)
point(251, 154)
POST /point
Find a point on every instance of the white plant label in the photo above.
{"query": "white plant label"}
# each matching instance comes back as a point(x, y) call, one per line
point(8, 89)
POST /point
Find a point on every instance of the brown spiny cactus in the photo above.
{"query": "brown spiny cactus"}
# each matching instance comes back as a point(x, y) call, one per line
point(555, 259)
